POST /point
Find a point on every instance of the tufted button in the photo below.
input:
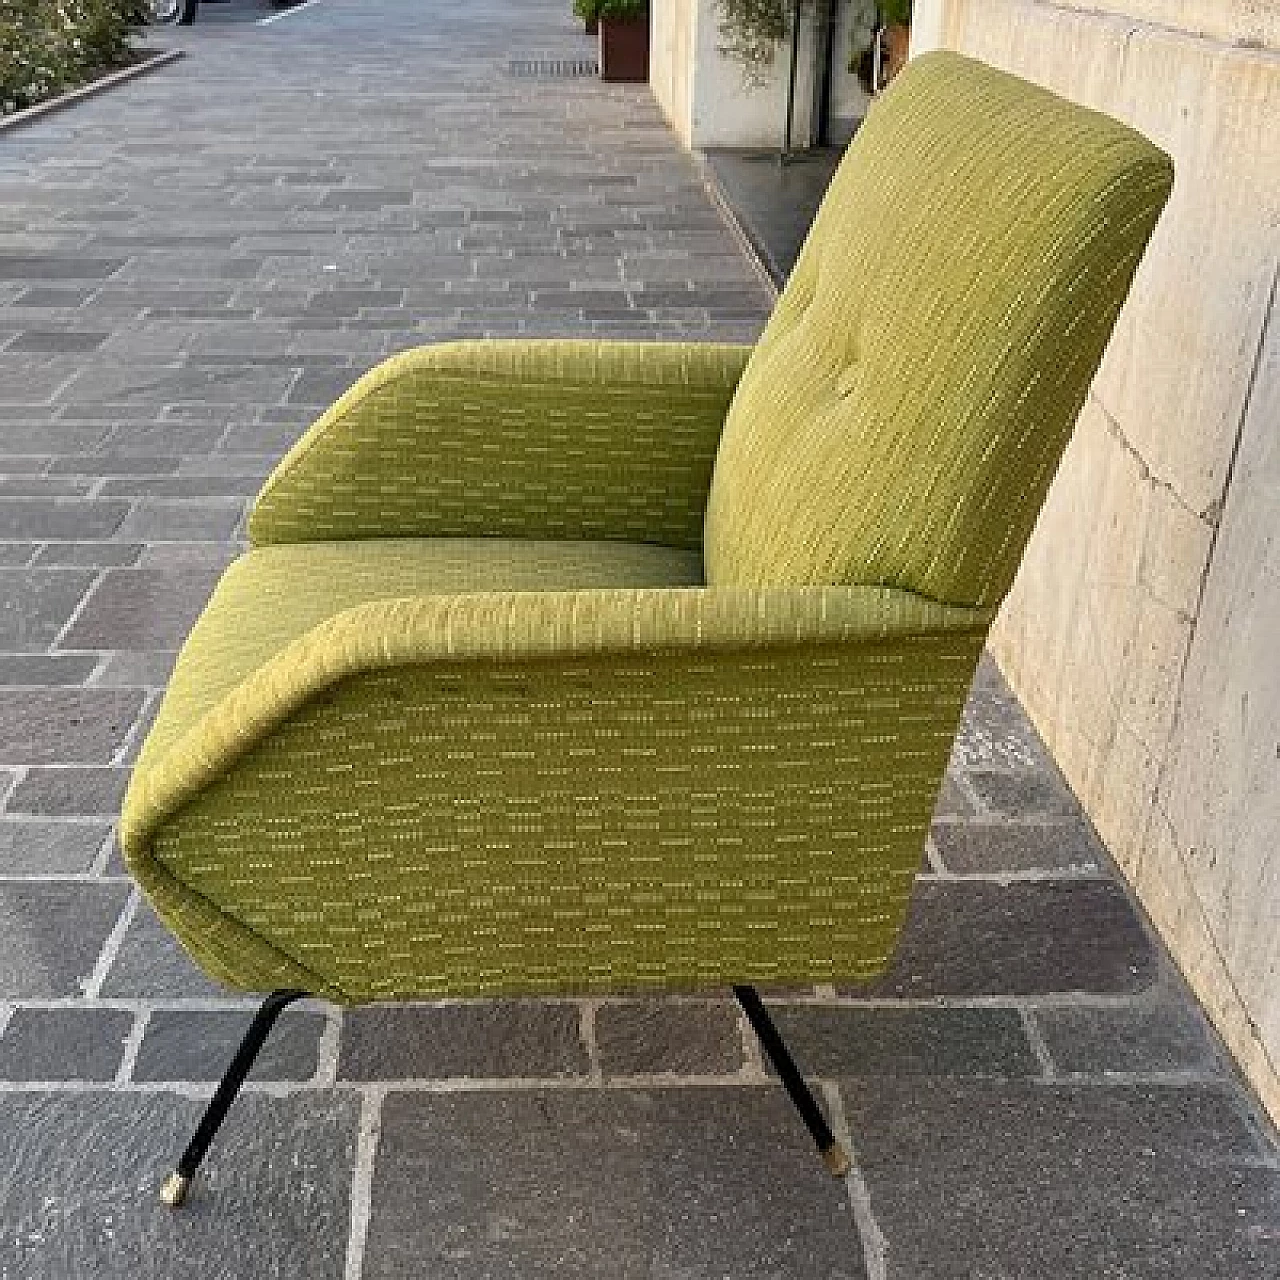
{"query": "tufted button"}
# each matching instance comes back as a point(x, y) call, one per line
point(847, 381)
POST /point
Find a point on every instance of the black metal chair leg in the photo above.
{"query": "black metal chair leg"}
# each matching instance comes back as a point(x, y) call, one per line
point(174, 1190)
point(834, 1156)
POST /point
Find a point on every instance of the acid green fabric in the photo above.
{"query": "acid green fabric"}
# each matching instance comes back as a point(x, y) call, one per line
point(906, 407)
point(479, 715)
point(275, 595)
point(538, 791)
point(513, 439)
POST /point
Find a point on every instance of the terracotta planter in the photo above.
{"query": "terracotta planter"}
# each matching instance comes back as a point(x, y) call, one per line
point(897, 45)
point(624, 49)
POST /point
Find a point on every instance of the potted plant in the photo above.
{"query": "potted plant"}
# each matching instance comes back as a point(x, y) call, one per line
point(589, 12)
point(624, 39)
point(895, 38)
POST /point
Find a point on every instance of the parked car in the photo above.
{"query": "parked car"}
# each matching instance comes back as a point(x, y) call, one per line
point(168, 12)
point(171, 12)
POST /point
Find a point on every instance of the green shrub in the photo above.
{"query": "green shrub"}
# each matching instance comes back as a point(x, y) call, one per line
point(587, 10)
point(47, 46)
point(623, 10)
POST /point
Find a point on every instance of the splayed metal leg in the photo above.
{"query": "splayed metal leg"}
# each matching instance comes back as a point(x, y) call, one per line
point(834, 1156)
point(175, 1187)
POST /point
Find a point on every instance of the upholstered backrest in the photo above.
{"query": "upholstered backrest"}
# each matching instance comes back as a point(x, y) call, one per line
point(905, 409)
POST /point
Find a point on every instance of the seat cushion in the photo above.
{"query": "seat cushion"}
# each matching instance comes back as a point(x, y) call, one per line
point(273, 595)
point(904, 411)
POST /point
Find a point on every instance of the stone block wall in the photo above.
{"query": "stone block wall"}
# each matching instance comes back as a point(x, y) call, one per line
point(1143, 633)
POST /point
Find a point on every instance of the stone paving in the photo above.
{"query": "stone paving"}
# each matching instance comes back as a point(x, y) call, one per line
point(190, 268)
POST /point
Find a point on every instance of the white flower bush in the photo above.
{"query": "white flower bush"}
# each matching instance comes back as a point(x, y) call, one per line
point(47, 46)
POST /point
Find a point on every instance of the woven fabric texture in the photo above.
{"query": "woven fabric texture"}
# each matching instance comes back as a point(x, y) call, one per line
point(541, 791)
point(480, 715)
point(906, 407)
point(515, 439)
point(276, 595)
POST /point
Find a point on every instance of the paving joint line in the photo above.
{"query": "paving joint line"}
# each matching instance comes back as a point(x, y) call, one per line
point(361, 1203)
point(874, 1243)
point(120, 756)
point(102, 859)
point(329, 1043)
point(54, 647)
point(111, 946)
point(1035, 1039)
point(587, 1035)
point(133, 1045)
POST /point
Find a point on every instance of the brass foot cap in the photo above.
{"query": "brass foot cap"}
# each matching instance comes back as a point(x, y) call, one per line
point(836, 1158)
point(173, 1191)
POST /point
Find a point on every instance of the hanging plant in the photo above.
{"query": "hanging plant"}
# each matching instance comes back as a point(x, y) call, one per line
point(751, 31)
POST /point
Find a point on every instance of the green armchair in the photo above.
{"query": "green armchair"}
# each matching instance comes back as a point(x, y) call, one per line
point(576, 666)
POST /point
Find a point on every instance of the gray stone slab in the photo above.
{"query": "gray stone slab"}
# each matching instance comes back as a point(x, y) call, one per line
point(42, 267)
point(39, 519)
point(45, 669)
point(349, 302)
point(179, 267)
point(52, 439)
point(64, 1044)
point(52, 297)
point(967, 938)
point(16, 553)
point(36, 604)
point(1023, 1181)
point(630, 1185)
point(205, 556)
point(57, 340)
point(69, 792)
point(137, 670)
point(1024, 794)
point(160, 385)
point(78, 1192)
point(183, 519)
point(184, 486)
point(98, 555)
point(34, 383)
point(645, 1037)
point(834, 1041)
point(994, 732)
point(72, 726)
point(151, 965)
point(984, 846)
point(1167, 1034)
point(321, 387)
point(41, 847)
point(51, 934)
point(135, 437)
point(12, 465)
point(482, 1040)
point(141, 609)
point(953, 800)
point(181, 1044)
point(29, 485)
point(97, 464)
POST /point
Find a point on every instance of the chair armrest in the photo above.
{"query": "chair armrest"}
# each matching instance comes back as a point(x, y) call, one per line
point(528, 439)
point(501, 634)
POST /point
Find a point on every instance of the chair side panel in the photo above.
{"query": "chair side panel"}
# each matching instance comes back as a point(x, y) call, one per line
point(467, 830)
